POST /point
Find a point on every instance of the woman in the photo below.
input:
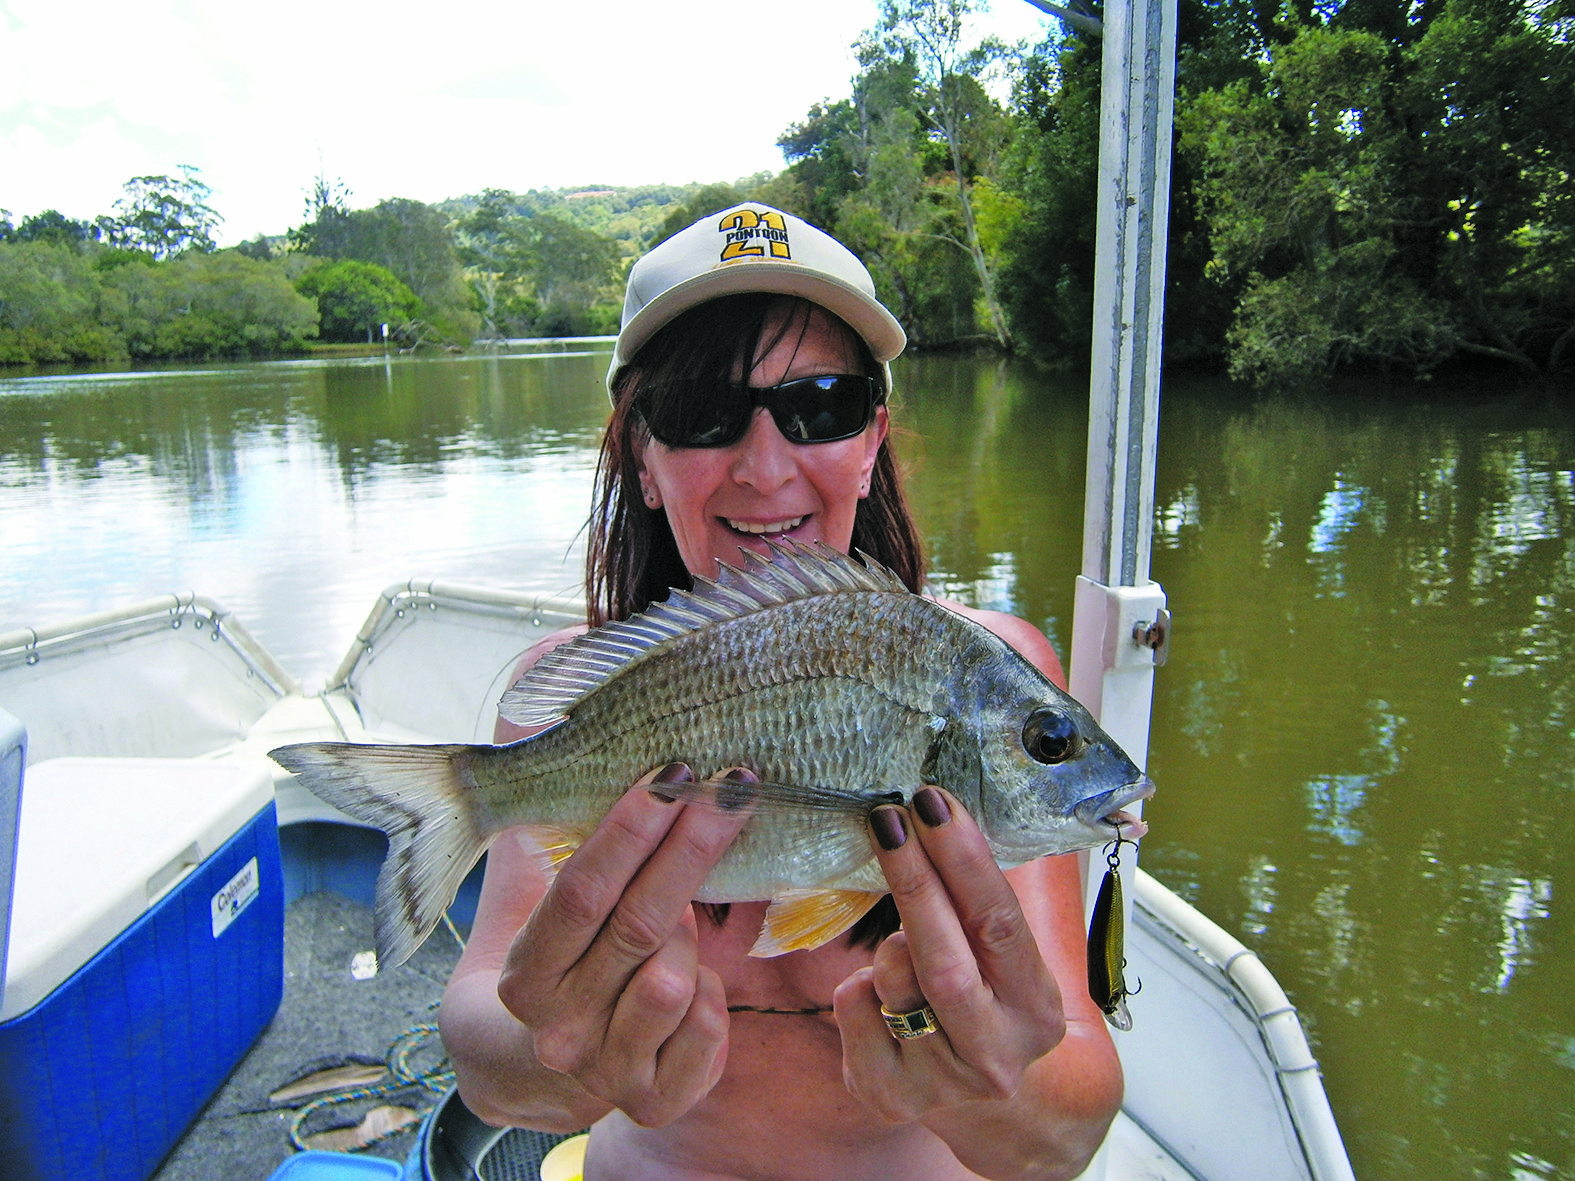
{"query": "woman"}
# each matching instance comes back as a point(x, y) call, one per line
point(749, 386)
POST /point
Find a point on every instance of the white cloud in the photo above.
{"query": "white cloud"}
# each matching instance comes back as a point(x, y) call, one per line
point(406, 101)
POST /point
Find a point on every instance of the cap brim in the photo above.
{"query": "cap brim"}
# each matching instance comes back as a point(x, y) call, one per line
point(856, 308)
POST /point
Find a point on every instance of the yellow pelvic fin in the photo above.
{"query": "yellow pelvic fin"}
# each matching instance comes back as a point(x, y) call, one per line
point(553, 846)
point(802, 920)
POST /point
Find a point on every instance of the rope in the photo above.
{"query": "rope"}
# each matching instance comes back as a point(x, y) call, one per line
point(402, 1076)
point(439, 1079)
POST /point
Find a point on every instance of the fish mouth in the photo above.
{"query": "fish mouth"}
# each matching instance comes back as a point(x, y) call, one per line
point(1104, 813)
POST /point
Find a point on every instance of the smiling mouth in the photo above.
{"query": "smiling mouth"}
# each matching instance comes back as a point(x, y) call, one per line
point(768, 527)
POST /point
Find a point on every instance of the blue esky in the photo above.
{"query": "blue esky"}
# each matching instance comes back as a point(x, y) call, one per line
point(401, 100)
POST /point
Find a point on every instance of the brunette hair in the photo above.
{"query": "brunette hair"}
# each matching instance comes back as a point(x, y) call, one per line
point(631, 558)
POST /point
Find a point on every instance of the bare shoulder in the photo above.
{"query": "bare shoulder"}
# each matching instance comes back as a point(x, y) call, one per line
point(506, 731)
point(1020, 634)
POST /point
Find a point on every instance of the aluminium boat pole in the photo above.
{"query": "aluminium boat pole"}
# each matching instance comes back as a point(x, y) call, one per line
point(1120, 629)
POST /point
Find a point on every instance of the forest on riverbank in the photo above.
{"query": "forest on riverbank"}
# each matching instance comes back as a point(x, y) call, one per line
point(1384, 184)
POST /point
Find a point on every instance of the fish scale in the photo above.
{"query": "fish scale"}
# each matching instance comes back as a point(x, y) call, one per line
point(839, 688)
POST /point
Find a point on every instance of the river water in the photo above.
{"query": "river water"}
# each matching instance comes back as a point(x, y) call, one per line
point(1364, 739)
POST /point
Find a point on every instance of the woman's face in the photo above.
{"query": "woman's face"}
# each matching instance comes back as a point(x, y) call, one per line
point(721, 499)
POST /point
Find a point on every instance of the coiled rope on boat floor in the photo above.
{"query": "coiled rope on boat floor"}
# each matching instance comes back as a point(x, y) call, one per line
point(402, 1077)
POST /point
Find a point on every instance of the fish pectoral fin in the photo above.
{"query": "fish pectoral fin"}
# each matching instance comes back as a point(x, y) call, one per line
point(802, 920)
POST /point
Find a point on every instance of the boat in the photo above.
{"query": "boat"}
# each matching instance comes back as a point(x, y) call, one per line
point(1220, 1082)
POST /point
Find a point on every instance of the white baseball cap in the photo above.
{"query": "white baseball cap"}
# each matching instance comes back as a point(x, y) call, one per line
point(748, 248)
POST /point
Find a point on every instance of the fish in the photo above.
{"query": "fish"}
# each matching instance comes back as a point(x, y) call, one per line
point(824, 675)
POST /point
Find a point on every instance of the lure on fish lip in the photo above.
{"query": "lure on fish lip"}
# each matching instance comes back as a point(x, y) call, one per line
point(835, 685)
point(1107, 959)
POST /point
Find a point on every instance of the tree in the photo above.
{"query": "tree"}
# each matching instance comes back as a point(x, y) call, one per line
point(495, 250)
point(1489, 176)
point(825, 158)
point(356, 298)
point(1394, 200)
point(575, 269)
point(710, 199)
point(413, 240)
point(930, 34)
point(50, 306)
point(64, 304)
point(538, 273)
point(224, 304)
point(164, 215)
point(53, 226)
point(1047, 268)
point(873, 171)
point(328, 231)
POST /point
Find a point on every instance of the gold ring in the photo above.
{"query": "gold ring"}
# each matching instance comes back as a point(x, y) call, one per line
point(905, 1027)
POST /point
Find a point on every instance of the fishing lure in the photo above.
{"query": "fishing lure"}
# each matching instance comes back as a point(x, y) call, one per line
point(1107, 959)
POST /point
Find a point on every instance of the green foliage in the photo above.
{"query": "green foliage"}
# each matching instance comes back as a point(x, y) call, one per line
point(355, 299)
point(413, 240)
point(50, 301)
point(1047, 268)
point(928, 37)
point(826, 158)
point(62, 304)
point(536, 273)
point(1394, 197)
point(1492, 169)
point(259, 248)
point(1375, 183)
point(51, 226)
point(892, 171)
point(164, 215)
point(710, 199)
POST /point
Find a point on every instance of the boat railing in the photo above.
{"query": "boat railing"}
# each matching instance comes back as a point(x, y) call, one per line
point(91, 685)
point(1225, 1036)
point(434, 657)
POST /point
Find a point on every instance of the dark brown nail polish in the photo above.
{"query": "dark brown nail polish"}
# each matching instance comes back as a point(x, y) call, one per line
point(733, 790)
point(887, 824)
point(674, 773)
point(932, 807)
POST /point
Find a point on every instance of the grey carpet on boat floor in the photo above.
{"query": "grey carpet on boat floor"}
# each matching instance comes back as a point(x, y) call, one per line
point(327, 1017)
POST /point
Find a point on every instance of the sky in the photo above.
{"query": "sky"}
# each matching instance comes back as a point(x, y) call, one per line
point(398, 100)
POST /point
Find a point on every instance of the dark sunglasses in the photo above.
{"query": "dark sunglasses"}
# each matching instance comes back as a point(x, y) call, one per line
point(809, 410)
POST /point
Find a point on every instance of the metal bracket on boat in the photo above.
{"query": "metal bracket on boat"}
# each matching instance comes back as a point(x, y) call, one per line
point(202, 613)
point(1155, 635)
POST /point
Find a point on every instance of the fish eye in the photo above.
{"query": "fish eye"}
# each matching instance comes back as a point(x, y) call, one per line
point(1051, 737)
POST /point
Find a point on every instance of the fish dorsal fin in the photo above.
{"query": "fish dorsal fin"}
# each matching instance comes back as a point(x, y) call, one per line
point(551, 687)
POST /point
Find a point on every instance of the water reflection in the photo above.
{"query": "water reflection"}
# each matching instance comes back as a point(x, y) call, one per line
point(1364, 741)
point(1333, 805)
point(1523, 903)
point(294, 493)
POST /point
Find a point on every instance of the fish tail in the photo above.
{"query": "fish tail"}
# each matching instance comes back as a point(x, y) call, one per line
point(424, 799)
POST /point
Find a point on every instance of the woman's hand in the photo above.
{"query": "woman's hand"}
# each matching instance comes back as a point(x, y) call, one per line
point(606, 973)
point(968, 952)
